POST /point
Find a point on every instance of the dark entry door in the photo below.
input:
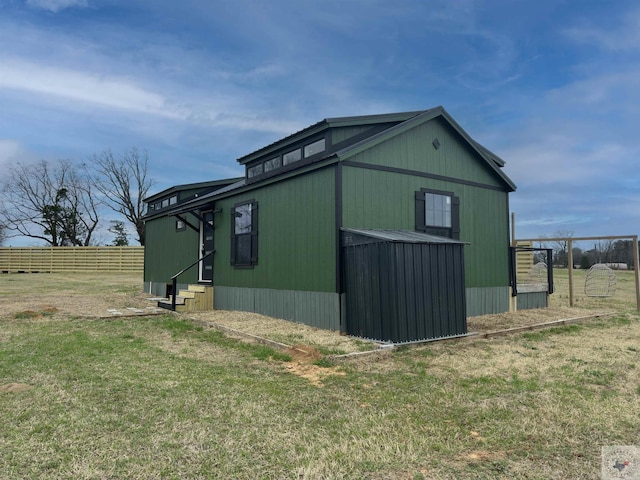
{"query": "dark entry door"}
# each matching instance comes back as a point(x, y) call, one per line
point(206, 244)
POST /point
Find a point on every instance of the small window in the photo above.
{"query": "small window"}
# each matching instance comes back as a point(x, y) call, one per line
point(254, 170)
point(437, 213)
point(173, 200)
point(272, 164)
point(165, 202)
point(151, 206)
point(292, 156)
point(313, 148)
point(437, 210)
point(244, 237)
point(180, 226)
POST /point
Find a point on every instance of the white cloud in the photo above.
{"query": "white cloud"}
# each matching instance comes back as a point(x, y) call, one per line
point(79, 86)
point(9, 153)
point(56, 5)
point(622, 36)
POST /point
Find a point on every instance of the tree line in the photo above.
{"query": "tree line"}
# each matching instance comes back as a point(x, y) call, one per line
point(601, 251)
point(60, 202)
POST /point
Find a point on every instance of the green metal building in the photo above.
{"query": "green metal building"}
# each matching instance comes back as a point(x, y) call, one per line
point(276, 233)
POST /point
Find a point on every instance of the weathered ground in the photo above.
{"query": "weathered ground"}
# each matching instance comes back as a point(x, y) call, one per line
point(86, 393)
point(112, 295)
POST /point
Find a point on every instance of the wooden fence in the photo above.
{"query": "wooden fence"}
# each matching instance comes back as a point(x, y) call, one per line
point(524, 261)
point(71, 259)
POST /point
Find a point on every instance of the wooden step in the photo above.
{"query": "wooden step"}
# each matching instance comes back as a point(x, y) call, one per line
point(194, 298)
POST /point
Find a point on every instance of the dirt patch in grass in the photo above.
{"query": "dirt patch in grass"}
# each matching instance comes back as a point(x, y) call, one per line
point(15, 387)
point(31, 314)
point(301, 353)
point(314, 373)
point(71, 294)
point(302, 364)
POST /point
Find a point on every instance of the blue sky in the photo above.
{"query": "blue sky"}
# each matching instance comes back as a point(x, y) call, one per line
point(553, 87)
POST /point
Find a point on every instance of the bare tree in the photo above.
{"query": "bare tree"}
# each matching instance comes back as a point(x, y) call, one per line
point(561, 246)
point(125, 182)
point(2, 234)
point(53, 203)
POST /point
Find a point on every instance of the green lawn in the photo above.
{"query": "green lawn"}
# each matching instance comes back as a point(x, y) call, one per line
point(157, 397)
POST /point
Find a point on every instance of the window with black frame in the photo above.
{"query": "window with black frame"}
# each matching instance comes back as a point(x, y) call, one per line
point(438, 213)
point(244, 237)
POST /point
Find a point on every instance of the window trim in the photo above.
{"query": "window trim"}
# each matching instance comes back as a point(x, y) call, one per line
point(252, 234)
point(421, 219)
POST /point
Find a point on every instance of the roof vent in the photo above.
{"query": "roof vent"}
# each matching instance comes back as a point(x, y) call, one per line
point(436, 143)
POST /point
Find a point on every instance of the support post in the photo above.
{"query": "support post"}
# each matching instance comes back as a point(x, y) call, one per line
point(513, 299)
point(570, 267)
point(635, 270)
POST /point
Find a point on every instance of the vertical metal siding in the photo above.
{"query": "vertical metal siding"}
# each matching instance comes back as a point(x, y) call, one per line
point(296, 236)
point(487, 300)
point(403, 292)
point(318, 309)
point(385, 200)
point(532, 300)
point(168, 251)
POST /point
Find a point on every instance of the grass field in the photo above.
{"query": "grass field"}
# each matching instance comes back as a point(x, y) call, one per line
point(161, 397)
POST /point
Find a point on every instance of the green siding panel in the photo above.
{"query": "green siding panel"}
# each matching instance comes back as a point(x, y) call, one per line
point(318, 309)
point(486, 301)
point(167, 251)
point(377, 199)
point(414, 150)
point(296, 236)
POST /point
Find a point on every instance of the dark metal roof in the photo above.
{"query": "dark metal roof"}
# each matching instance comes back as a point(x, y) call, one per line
point(204, 199)
point(404, 236)
point(400, 122)
point(327, 123)
point(189, 186)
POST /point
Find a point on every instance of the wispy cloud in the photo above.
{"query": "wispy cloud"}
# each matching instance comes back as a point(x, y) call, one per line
point(616, 34)
point(9, 150)
point(109, 92)
point(56, 5)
